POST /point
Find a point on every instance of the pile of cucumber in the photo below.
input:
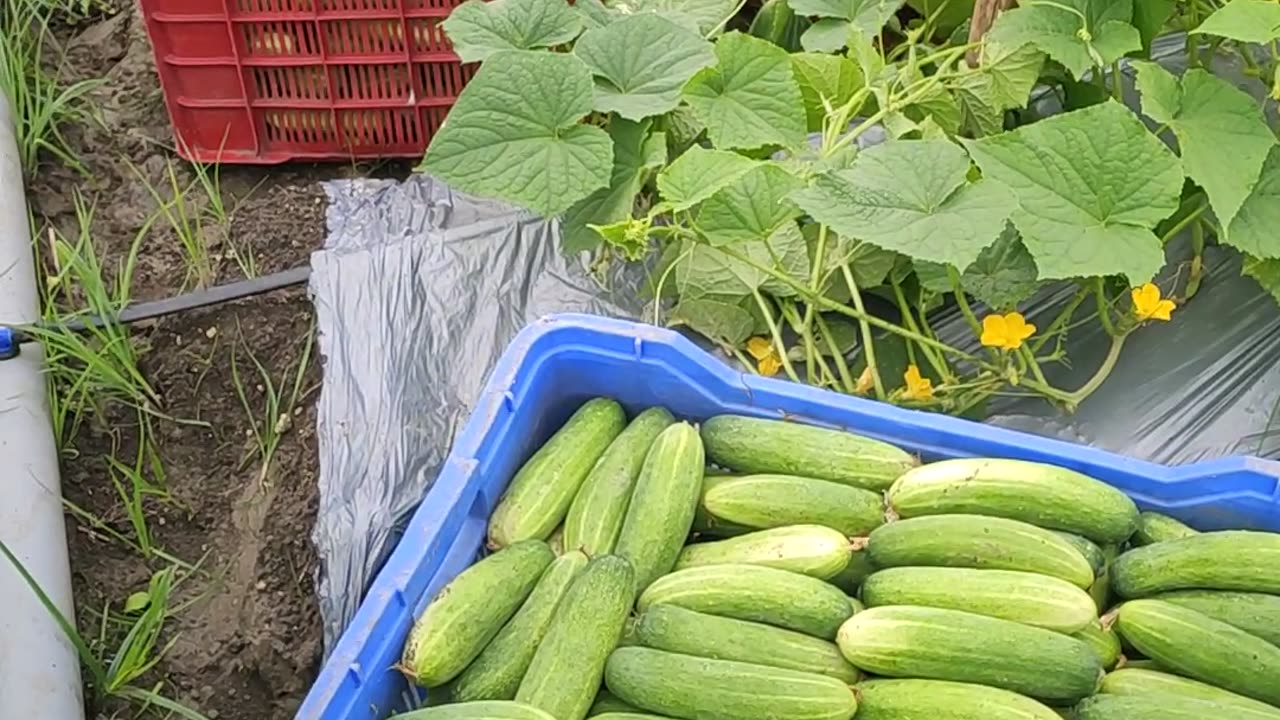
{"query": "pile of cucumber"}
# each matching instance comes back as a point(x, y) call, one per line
point(755, 569)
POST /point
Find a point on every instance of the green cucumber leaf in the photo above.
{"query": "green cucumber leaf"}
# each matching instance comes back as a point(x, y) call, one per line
point(1222, 134)
point(641, 62)
point(1251, 21)
point(751, 207)
point(1255, 228)
point(839, 17)
point(1266, 273)
point(938, 105)
point(1149, 16)
point(705, 15)
point(698, 174)
point(1090, 185)
point(933, 277)
point(709, 271)
point(721, 318)
point(595, 14)
point(478, 29)
point(1004, 274)
point(912, 197)
point(1077, 33)
point(636, 153)
point(825, 80)
point(751, 99)
point(1002, 81)
point(515, 134)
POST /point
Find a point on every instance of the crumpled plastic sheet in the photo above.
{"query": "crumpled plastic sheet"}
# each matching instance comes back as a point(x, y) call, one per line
point(419, 290)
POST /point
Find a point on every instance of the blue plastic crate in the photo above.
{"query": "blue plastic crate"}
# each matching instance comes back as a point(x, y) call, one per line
point(559, 362)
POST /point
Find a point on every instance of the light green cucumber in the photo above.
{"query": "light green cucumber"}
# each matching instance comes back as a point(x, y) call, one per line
point(938, 644)
point(753, 592)
point(1202, 648)
point(467, 612)
point(707, 525)
point(1159, 706)
point(1155, 528)
point(477, 710)
point(606, 703)
point(565, 673)
point(496, 672)
point(769, 501)
point(850, 579)
point(663, 504)
point(943, 700)
point(1132, 681)
point(1044, 495)
point(675, 629)
point(1103, 641)
point(1226, 560)
point(685, 686)
point(596, 514)
point(1027, 598)
point(1088, 548)
point(1255, 613)
point(539, 495)
point(758, 445)
point(975, 541)
point(811, 550)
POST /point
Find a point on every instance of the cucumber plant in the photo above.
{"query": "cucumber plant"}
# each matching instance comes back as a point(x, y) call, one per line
point(811, 192)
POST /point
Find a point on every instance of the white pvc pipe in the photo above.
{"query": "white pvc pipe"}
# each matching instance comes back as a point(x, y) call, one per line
point(39, 669)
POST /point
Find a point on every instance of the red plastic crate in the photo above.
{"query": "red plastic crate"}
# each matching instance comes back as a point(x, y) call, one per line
point(266, 81)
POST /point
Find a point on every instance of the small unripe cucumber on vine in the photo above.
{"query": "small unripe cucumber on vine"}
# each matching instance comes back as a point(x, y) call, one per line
point(811, 550)
point(539, 495)
point(758, 445)
point(769, 501)
point(944, 700)
point(1044, 495)
point(1227, 560)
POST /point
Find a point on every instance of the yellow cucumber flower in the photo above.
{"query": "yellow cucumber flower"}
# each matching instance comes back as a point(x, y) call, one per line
point(917, 387)
point(1148, 305)
point(1006, 331)
point(768, 362)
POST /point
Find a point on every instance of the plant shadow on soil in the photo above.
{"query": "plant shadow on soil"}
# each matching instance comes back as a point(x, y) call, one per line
point(246, 639)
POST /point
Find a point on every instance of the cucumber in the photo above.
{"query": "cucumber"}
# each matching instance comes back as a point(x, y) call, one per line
point(1226, 560)
point(1102, 641)
point(496, 672)
point(566, 669)
point(477, 710)
point(1159, 706)
point(939, 644)
point(752, 592)
point(768, 501)
point(1255, 613)
point(675, 629)
point(685, 686)
point(1088, 548)
point(596, 514)
point(812, 550)
point(467, 612)
point(850, 579)
point(1139, 664)
point(608, 703)
point(940, 699)
point(539, 495)
point(1100, 590)
point(1027, 598)
point(1154, 528)
point(1202, 648)
point(975, 541)
point(1044, 495)
point(662, 505)
point(1144, 682)
point(705, 524)
point(757, 445)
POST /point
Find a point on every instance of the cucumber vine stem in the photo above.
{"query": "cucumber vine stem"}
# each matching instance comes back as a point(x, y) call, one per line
point(868, 343)
point(778, 346)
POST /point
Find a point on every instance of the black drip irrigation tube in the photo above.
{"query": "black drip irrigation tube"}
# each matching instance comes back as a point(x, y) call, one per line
point(13, 337)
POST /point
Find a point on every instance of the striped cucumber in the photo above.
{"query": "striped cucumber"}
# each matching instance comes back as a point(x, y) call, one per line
point(685, 686)
point(596, 514)
point(1159, 706)
point(539, 495)
point(675, 629)
point(1131, 681)
point(812, 550)
point(1226, 560)
point(752, 592)
point(1044, 495)
point(943, 700)
point(768, 501)
point(467, 612)
point(939, 644)
point(1154, 528)
point(566, 669)
point(758, 445)
point(608, 703)
point(476, 710)
point(1027, 598)
point(1255, 613)
point(1202, 648)
point(707, 525)
point(1103, 641)
point(850, 579)
point(1088, 548)
point(663, 504)
point(496, 672)
point(976, 541)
